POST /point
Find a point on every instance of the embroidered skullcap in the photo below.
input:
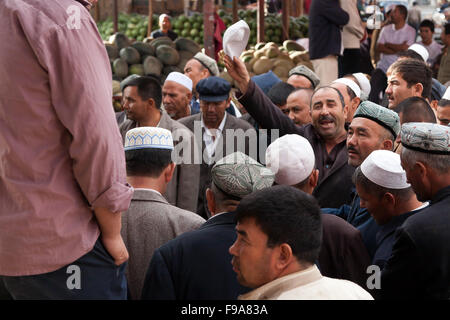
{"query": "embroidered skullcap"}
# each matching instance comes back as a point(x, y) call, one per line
point(239, 175)
point(381, 115)
point(291, 158)
point(148, 138)
point(426, 137)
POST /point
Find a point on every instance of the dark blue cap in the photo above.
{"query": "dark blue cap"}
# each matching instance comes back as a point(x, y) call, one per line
point(213, 89)
point(266, 81)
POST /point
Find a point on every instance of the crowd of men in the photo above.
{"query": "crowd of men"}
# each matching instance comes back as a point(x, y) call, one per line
point(314, 188)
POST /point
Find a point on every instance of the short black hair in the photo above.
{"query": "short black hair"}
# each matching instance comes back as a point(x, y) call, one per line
point(427, 23)
point(415, 109)
point(279, 92)
point(447, 28)
point(403, 10)
point(148, 88)
point(147, 162)
point(411, 54)
point(286, 215)
point(444, 103)
point(413, 72)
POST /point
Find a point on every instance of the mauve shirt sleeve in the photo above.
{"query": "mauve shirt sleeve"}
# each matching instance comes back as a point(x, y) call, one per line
point(81, 90)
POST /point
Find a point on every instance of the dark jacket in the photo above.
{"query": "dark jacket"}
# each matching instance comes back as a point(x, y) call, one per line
point(419, 267)
point(196, 265)
point(326, 19)
point(335, 186)
point(343, 254)
point(205, 169)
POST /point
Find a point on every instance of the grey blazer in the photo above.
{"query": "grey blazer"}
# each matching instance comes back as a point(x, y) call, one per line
point(149, 223)
point(243, 143)
point(183, 189)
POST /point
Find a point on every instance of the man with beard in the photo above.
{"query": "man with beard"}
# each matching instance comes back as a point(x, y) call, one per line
point(176, 95)
point(419, 264)
point(142, 101)
point(326, 133)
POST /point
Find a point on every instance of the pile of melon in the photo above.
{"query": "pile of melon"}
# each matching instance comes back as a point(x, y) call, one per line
point(157, 57)
point(280, 59)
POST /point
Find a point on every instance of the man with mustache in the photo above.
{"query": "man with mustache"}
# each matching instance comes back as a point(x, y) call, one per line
point(373, 128)
point(326, 133)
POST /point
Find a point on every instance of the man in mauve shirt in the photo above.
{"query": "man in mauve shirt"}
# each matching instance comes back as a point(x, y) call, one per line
point(62, 166)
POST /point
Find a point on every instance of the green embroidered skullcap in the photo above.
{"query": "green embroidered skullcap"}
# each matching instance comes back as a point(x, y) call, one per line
point(381, 115)
point(239, 175)
point(426, 137)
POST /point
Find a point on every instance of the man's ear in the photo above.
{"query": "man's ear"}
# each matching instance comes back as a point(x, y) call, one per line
point(388, 145)
point(388, 200)
point(418, 89)
point(211, 201)
point(168, 172)
point(284, 257)
point(314, 178)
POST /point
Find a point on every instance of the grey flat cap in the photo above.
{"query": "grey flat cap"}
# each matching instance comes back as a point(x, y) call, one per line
point(208, 63)
point(306, 72)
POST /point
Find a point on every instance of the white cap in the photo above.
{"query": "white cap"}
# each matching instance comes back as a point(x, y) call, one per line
point(291, 158)
point(350, 83)
point(421, 50)
point(384, 168)
point(446, 94)
point(148, 138)
point(180, 78)
point(364, 83)
point(161, 17)
point(235, 39)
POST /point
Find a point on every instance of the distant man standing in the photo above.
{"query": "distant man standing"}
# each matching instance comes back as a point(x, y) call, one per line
point(212, 127)
point(419, 265)
point(326, 18)
point(394, 38)
point(165, 28)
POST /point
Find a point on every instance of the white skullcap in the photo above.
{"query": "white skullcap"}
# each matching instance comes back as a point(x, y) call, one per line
point(384, 168)
point(235, 39)
point(180, 78)
point(364, 83)
point(421, 50)
point(291, 158)
point(446, 94)
point(161, 17)
point(350, 83)
point(148, 138)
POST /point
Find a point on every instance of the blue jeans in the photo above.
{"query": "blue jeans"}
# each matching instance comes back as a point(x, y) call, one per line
point(93, 276)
